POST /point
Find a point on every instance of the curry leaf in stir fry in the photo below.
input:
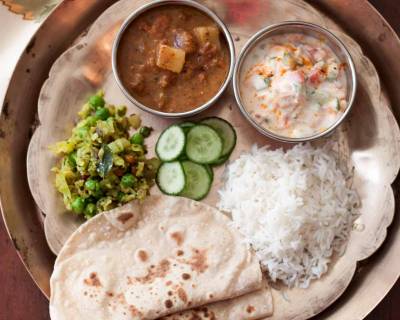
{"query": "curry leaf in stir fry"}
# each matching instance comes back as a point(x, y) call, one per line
point(103, 162)
point(106, 162)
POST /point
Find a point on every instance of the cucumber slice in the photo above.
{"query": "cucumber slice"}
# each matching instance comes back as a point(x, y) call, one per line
point(171, 178)
point(220, 160)
point(225, 131)
point(171, 143)
point(183, 157)
point(203, 145)
point(187, 125)
point(209, 170)
point(198, 180)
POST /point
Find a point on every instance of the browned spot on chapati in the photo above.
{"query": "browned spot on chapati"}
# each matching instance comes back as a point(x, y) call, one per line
point(179, 253)
point(185, 276)
point(250, 309)
point(198, 261)
point(211, 296)
point(160, 271)
point(121, 298)
point(182, 294)
point(194, 316)
point(134, 312)
point(168, 283)
point(201, 313)
point(124, 217)
point(142, 255)
point(110, 294)
point(170, 293)
point(93, 280)
point(178, 237)
point(209, 314)
point(168, 303)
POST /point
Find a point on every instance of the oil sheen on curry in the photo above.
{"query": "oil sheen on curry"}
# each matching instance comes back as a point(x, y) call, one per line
point(173, 58)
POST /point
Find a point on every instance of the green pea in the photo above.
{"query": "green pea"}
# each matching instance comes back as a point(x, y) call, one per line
point(90, 210)
point(137, 138)
point(82, 132)
point(96, 101)
point(98, 193)
point(94, 187)
point(120, 195)
point(145, 131)
point(91, 121)
point(72, 159)
point(128, 180)
point(78, 205)
point(91, 185)
point(102, 113)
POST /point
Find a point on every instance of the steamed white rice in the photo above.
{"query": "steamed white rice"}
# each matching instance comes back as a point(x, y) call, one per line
point(295, 208)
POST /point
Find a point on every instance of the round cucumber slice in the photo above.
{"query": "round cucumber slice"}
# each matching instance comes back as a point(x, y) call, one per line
point(220, 160)
point(198, 180)
point(225, 131)
point(171, 178)
point(187, 125)
point(209, 170)
point(171, 143)
point(203, 145)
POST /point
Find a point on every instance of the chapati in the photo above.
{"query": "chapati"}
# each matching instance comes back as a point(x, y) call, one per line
point(149, 259)
point(251, 306)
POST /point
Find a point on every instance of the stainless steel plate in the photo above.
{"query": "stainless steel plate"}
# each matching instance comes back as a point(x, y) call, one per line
point(374, 278)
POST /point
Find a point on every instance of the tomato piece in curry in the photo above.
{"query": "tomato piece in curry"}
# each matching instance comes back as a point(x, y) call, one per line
point(173, 58)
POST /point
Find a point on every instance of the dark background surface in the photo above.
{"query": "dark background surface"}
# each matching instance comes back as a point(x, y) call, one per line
point(20, 299)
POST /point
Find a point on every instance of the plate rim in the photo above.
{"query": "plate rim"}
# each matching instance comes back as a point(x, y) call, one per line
point(58, 9)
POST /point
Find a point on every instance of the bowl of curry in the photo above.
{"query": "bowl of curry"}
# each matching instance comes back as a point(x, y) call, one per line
point(173, 58)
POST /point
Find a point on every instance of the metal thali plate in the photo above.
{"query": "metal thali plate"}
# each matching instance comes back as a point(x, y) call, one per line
point(374, 277)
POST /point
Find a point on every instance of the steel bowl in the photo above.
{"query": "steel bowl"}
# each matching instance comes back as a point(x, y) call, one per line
point(159, 3)
point(310, 29)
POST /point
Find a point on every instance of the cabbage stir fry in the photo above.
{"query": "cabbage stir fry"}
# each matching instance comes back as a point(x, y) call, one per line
point(102, 166)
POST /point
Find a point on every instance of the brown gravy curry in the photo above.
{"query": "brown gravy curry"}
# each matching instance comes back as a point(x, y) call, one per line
point(173, 58)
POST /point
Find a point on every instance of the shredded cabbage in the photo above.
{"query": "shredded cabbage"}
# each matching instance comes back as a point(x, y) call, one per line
point(98, 163)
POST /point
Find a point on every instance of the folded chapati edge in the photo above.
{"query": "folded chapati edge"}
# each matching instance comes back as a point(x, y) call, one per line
point(150, 259)
point(251, 306)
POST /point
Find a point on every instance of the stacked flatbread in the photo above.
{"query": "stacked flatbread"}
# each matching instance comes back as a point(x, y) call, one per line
point(165, 256)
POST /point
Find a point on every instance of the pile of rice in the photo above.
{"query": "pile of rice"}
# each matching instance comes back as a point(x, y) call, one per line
point(295, 209)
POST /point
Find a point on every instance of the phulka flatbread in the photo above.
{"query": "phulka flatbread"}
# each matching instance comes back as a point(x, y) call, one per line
point(146, 260)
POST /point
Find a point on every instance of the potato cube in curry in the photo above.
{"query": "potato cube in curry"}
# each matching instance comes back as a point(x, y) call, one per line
point(170, 58)
point(207, 34)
